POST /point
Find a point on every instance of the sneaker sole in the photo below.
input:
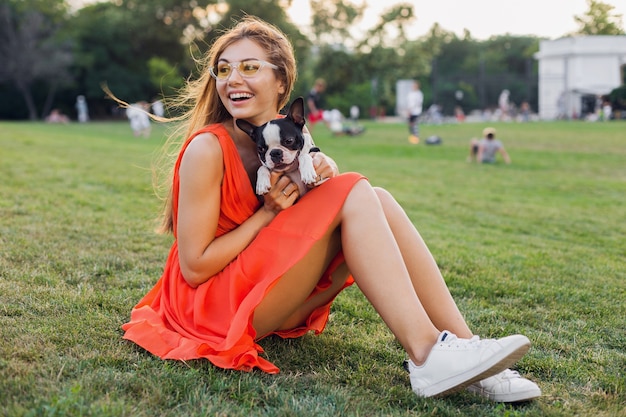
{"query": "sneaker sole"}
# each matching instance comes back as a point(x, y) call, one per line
point(485, 370)
point(508, 398)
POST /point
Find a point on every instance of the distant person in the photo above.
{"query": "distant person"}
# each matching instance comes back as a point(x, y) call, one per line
point(337, 125)
point(484, 151)
point(459, 114)
point(607, 110)
point(81, 109)
point(354, 113)
point(157, 108)
point(314, 102)
point(139, 118)
point(56, 116)
point(503, 104)
point(561, 106)
point(525, 111)
point(434, 114)
point(415, 101)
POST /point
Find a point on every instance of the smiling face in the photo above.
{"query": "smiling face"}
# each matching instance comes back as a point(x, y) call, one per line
point(251, 98)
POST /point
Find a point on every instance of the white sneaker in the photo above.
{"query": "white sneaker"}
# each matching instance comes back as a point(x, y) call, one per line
point(506, 387)
point(455, 363)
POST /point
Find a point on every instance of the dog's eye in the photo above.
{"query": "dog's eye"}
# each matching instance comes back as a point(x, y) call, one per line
point(289, 141)
point(261, 148)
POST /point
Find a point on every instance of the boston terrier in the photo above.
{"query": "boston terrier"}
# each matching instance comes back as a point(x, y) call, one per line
point(283, 147)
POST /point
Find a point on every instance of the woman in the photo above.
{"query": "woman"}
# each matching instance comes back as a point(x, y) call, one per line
point(415, 100)
point(241, 269)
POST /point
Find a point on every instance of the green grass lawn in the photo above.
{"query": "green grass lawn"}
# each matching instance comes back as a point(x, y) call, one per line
point(536, 247)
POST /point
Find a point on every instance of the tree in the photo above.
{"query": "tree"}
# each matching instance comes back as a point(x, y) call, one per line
point(363, 70)
point(482, 69)
point(333, 19)
point(164, 76)
point(143, 49)
point(599, 20)
point(617, 97)
point(134, 47)
point(31, 50)
point(390, 29)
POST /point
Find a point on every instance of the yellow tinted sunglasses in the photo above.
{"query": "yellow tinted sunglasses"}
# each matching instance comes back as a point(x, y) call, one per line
point(248, 68)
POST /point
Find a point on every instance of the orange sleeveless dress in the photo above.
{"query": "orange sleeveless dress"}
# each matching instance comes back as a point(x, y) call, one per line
point(214, 320)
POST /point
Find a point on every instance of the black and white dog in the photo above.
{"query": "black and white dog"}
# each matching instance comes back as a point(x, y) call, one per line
point(283, 146)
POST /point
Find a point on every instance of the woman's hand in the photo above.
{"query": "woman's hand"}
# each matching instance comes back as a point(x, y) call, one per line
point(282, 194)
point(325, 167)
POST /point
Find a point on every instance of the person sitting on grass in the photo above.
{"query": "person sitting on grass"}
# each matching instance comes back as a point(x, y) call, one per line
point(242, 268)
point(484, 151)
point(338, 126)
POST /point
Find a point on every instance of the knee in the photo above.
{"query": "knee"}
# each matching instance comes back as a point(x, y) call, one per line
point(384, 196)
point(363, 189)
point(382, 193)
point(362, 195)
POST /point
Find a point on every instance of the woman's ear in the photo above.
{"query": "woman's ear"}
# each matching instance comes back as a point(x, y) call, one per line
point(281, 88)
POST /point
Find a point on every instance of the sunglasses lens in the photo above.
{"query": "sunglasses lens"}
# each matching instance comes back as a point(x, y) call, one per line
point(222, 71)
point(249, 68)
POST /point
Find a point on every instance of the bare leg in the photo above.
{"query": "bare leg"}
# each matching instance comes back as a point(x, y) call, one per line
point(396, 272)
point(429, 285)
point(426, 277)
point(339, 277)
point(375, 260)
point(376, 263)
point(286, 306)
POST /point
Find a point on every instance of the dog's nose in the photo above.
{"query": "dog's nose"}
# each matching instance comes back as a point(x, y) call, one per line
point(276, 155)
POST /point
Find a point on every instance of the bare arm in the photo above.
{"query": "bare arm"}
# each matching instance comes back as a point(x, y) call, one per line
point(311, 104)
point(505, 155)
point(200, 252)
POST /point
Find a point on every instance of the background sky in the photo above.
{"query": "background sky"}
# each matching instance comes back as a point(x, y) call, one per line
point(544, 18)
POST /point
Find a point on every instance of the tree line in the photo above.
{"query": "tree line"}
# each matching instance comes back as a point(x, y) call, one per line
point(50, 53)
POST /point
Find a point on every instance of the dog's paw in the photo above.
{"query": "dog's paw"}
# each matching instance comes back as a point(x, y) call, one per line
point(262, 189)
point(310, 179)
point(307, 170)
point(263, 184)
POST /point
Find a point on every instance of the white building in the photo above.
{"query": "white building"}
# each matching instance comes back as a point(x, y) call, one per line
point(574, 71)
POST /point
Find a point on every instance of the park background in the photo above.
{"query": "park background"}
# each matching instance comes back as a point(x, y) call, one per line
point(535, 247)
point(55, 50)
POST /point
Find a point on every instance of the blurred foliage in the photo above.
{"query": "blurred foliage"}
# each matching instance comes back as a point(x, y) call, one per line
point(333, 20)
point(33, 53)
point(142, 50)
point(599, 19)
point(617, 98)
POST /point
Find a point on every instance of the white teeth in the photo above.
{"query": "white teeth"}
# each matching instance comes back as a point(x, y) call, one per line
point(236, 96)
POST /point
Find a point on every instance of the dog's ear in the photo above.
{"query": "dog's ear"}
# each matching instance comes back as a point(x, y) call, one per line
point(247, 127)
point(296, 111)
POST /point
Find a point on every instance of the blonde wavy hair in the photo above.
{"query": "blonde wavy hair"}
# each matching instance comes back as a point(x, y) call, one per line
point(200, 103)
